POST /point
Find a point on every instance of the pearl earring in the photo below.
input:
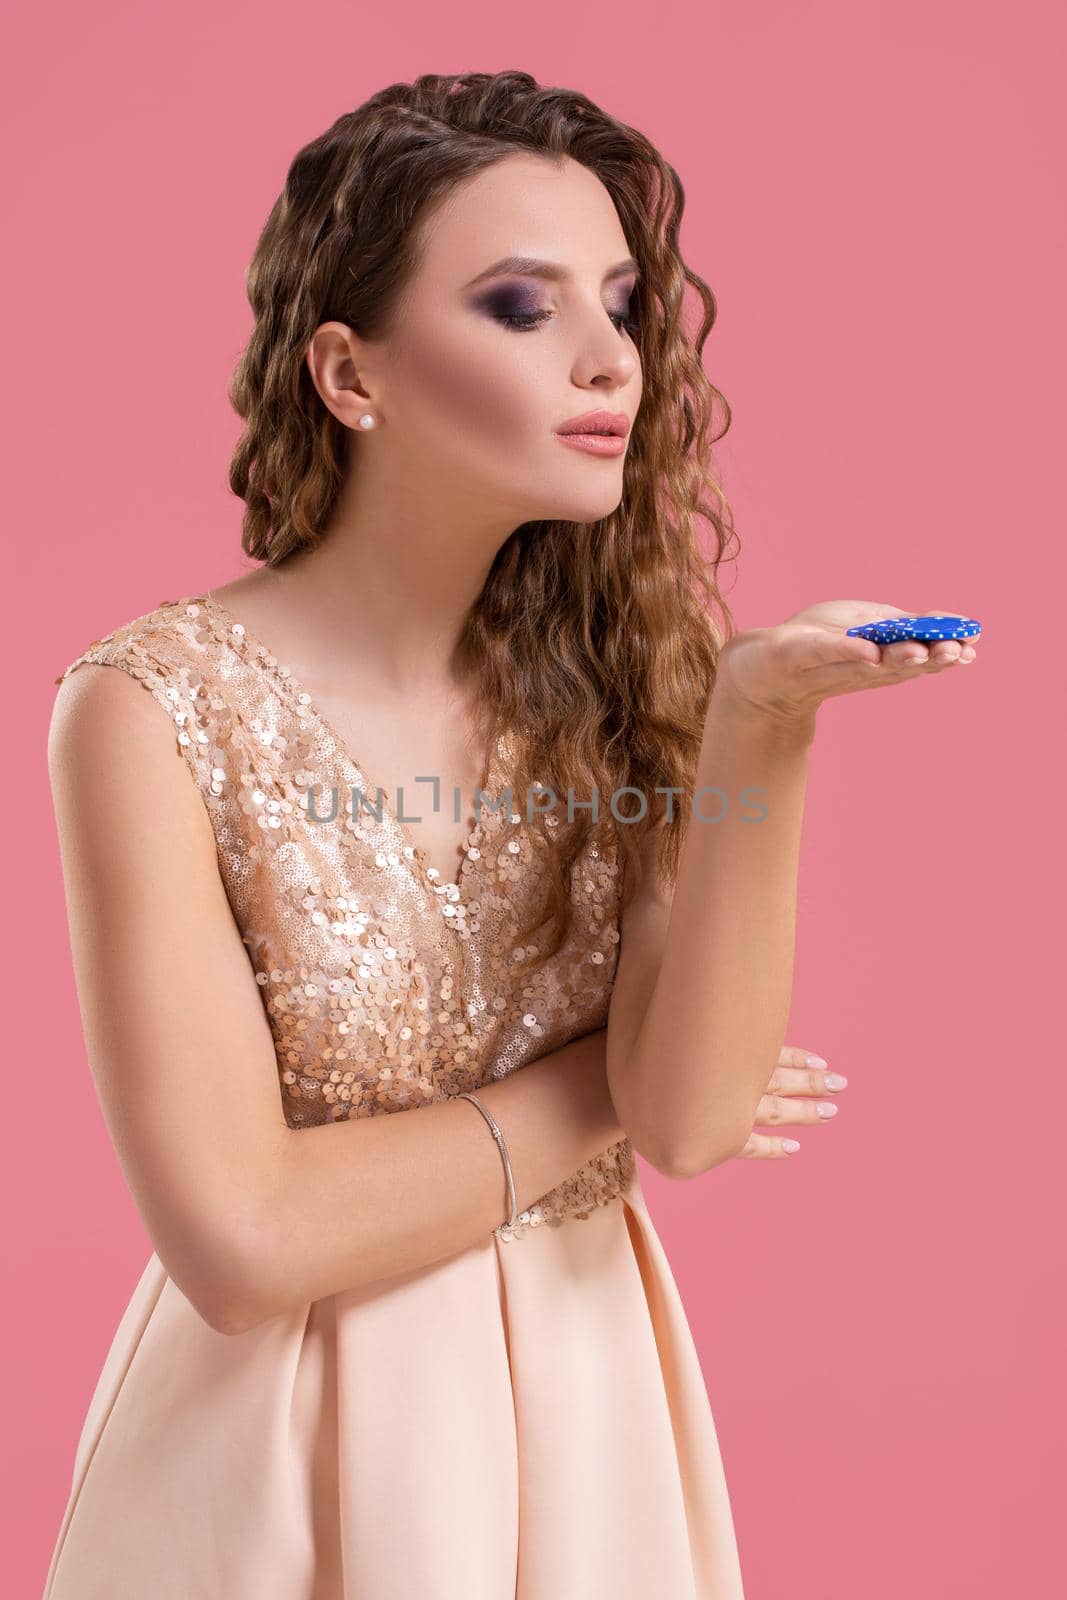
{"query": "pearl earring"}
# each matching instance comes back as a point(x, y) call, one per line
point(366, 420)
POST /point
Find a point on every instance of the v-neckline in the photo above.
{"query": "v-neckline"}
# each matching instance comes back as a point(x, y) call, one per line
point(428, 875)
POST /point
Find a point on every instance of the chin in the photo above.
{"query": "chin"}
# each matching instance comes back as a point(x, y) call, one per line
point(583, 508)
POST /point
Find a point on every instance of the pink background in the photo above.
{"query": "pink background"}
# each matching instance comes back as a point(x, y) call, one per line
point(876, 194)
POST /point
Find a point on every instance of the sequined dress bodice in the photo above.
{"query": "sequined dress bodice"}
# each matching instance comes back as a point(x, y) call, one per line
point(385, 988)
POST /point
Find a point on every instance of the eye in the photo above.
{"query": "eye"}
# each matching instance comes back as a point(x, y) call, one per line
point(522, 319)
point(530, 319)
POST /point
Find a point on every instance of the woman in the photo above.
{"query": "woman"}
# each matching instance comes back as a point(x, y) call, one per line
point(378, 1356)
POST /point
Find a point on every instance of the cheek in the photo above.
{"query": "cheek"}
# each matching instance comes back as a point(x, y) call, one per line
point(477, 385)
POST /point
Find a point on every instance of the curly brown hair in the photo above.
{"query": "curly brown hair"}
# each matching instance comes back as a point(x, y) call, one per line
point(597, 654)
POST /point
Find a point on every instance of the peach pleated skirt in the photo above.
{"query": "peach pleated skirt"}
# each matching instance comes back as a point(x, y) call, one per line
point(524, 1421)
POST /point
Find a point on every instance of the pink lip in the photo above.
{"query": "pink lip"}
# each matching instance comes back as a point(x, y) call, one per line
point(615, 423)
point(595, 444)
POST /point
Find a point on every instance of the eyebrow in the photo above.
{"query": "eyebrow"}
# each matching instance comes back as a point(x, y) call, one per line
point(531, 267)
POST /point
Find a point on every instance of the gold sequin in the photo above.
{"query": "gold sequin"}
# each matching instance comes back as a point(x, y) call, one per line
point(384, 988)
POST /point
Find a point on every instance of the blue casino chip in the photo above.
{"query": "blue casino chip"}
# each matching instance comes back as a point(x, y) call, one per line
point(939, 625)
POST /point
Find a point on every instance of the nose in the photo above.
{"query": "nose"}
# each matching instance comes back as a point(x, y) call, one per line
point(605, 369)
point(606, 359)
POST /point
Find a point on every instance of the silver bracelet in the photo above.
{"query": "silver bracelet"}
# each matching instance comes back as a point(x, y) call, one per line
point(499, 1137)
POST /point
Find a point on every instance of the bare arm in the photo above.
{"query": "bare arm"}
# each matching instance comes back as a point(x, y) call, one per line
point(358, 1201)
point(701, 1000)
point(249, 1217)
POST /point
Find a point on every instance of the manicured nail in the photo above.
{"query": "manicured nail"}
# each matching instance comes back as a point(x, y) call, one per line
point(834, 1080)
point(790, 1145)
point(825, 1109)
point(815, 1061)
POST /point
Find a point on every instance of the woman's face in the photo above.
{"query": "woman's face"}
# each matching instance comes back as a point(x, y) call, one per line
point(484, 366)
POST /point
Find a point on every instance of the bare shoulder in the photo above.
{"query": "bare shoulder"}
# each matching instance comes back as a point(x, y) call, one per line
point(111, 753)
point(94, 700)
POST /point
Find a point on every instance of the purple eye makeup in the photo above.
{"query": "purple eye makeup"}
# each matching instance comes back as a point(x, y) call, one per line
point(516, 306)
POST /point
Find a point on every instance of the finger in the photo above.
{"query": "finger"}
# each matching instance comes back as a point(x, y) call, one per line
point(760, 1147)
point(811, 651)
point(915, 653)
point(794, 1055)
point(940, 652)
point(805, 1080)
point(778, 1108)
point(828, 652)
point(945, 652)
point(910, 658)
point(801, 1071)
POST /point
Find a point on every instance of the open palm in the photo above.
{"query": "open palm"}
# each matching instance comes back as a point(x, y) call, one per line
point(786, 671)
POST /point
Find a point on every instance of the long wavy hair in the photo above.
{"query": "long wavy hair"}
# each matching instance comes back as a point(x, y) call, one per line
point(594, 647)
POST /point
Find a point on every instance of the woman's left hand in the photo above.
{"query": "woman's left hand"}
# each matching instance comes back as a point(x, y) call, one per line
point(790, 1098)
point(784, 673)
